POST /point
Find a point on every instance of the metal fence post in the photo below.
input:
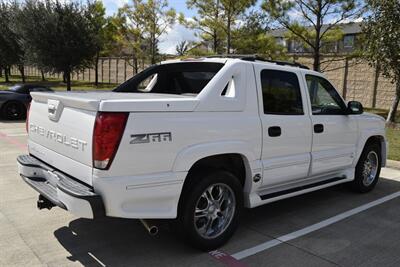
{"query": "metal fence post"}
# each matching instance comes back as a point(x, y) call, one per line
point(102, 70)
point(109, 70)
point(346, 74)
point(116, 70)
point(124, 69)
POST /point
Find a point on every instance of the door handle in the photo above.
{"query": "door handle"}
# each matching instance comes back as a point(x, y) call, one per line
point(318, 128)
point(274, 131)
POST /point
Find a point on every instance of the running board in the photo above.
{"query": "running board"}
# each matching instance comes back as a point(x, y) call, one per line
point(300, 188)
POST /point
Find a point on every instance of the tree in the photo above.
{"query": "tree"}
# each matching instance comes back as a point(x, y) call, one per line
point(60, 35)
point(252, 37)
point(96, 15)
point(143, 23)
point(105, 34)
point(11, 47)
point(157, 19)
point(208, 21)
point(129, 24)
point(382, 45)
point(232, 10)
point(182, 48)
point(311, 24)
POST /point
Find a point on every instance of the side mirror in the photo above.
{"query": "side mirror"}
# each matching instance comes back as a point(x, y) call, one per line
point(354, 107)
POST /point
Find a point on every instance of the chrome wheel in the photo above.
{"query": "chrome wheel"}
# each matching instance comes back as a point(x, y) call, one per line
point(214, 210)
point(370, 168)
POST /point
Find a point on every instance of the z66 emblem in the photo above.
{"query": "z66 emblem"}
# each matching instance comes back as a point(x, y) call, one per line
point(150, 137)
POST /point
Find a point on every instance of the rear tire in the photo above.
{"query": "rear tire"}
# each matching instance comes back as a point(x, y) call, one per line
point(368, 169)
point(13, 110)
point(210, 208)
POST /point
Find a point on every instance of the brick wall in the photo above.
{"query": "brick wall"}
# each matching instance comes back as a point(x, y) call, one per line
point(356, 80)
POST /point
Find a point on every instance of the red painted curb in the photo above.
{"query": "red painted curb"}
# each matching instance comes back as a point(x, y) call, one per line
point(13, 141)
point(226, 259)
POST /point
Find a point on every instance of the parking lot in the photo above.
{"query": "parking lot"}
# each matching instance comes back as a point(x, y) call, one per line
point(332, 227)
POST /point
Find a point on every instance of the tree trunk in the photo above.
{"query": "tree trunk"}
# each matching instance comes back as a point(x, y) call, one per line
point(215, 44)
point(153, 51)
point(215, 37)
point(22, 71)
point(317, 60)
point(6, 74)
point(228, 32)
point(135, 64)
point(96, 70)
point(1, 72)
point(317, 56)
point(318, 26)
point(42, 74)
point(67, 75)
point(393, 109)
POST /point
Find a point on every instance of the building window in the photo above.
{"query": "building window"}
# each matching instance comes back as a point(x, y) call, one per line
point(281, 41)
point(348, 41)
point(297, 47)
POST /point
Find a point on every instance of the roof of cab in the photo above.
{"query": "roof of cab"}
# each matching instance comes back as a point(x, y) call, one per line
point(249, 58)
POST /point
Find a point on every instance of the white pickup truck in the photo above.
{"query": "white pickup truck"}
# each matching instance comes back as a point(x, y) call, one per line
point(196, 141)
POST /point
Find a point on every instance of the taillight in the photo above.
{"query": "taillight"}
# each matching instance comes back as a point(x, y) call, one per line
point(27, 117)
point(107, 134)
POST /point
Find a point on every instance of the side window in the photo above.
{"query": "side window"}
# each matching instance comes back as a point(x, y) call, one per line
point(324, 98)
point(281, 93)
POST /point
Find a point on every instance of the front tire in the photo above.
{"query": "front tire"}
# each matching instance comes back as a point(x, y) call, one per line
point(368, 169)
point(210, 209)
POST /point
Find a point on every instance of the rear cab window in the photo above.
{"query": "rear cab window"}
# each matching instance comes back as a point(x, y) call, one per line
point(184, 78)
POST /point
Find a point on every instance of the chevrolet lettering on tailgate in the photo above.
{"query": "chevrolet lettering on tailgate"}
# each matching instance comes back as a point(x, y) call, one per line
point(58, 137)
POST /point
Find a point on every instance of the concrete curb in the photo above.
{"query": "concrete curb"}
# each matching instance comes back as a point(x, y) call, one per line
point(393, 164)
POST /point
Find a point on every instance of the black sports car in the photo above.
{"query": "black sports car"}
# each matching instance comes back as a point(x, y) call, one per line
point(13, 102)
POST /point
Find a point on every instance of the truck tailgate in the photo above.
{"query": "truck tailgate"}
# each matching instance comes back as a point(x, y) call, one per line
point(61, 124)
point(62, 136)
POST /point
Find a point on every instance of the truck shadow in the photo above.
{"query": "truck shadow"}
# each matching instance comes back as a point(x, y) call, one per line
point(122, 242)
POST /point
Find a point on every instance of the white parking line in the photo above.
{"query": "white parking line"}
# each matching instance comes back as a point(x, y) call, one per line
point(272, 243)
point(97, 260)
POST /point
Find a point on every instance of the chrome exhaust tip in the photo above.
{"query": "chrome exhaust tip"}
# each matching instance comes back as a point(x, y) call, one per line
point(151, 228)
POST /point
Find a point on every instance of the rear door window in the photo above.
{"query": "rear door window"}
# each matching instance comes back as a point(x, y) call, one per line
point(281, 93)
